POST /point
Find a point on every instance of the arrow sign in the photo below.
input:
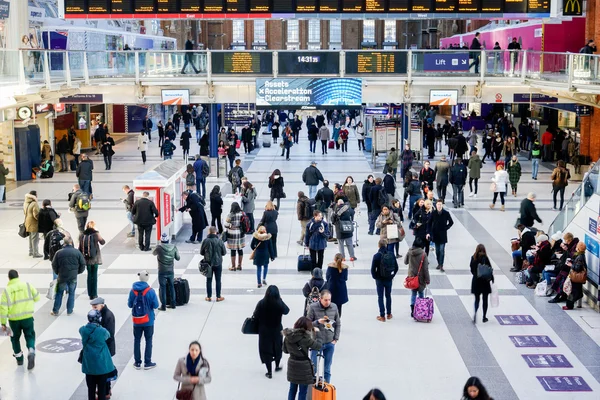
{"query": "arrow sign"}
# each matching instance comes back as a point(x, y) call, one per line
point(443, 62)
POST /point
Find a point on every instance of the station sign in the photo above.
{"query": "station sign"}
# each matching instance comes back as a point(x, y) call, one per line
point(446, 62)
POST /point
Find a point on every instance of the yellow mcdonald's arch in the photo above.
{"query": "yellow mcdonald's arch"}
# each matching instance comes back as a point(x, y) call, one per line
point(573, 4)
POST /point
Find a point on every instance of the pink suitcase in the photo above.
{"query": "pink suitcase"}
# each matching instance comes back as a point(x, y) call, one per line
point(423, 309)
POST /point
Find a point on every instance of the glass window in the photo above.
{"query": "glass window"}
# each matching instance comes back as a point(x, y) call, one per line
point(335, 31)
point(293, 35)
point(238, 31)
point(314, 32)
point(260, 31)
point(389, 31)
point(369, 30)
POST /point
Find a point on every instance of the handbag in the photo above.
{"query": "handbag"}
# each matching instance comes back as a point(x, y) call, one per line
point(254, 251)
point(224, 236)
point(401, 233)
point(346, 226)
point(22, 229)
point(392, 231)
point(567, 286)
point(412, 282)
point(578, 277)
point(80, 358)
point(485, 271)
point(184, 394)
point(340, 140)
point(493, 187)
point(517, 223)
point(205, 268)
point(52, 290)
point(250, 326)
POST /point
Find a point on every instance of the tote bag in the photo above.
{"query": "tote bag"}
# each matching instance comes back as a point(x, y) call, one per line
point(392, 231)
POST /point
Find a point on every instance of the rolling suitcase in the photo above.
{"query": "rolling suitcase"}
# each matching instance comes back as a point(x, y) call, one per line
point(423, 309)
point(322, 390)
point(304, 262)
point(182, 291)
point(331, 144)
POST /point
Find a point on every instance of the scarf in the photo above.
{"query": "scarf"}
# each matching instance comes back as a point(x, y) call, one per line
point(192, 365)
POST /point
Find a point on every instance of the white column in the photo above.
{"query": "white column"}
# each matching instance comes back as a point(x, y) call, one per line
point(17, 23)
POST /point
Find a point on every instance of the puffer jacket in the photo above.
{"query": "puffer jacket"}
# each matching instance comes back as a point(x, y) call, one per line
point(297, 343)
point(384, 220)
point(166, 254)
point(276, 186)
point(31, 210)
point(351, 191)
point(95, 358)
point(213, 250)
point(413, 259)
point(500, 178)
point(560, 177)
point(46, 219)
point(68, 262)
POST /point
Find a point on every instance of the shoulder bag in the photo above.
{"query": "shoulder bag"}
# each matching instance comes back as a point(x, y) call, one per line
point(22, 229)
point(412, 282)
point(205, 268)
point(578, 277)
point(254, 251)
point(184, 394)
point(250, 326)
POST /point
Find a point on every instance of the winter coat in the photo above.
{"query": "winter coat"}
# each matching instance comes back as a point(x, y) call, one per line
point(312, 176)
point(46, 218)
point(263, 248)
point(458, 174)
point(73, 204)
point(314, 239)
point(474, 166)
point(528, 213)
point(407, 159)
point(442, 169)
point(297, 343)
point(269, 220)
point(129, 200)
point(96, 359)
point(342, 213)
point(142, 142)
point(150, 298)
point(560, 177)
point(68, 262)
point(421, 218)
point(359, 131)
point(376, 265)
point(316, 311)
point(236, 240)
point(268, 317)
point(144, 212)
point(248, 196)
point(31, 210)
point(413, 259)
point(213, 250)
point(216, 204)
point(514, 172)
point(107, 147)
point(392, 160)
point(276, 186)
point(84, 170)
point(480, 285)
point(182, 375)
point(324, 133)
point(426, 177)
point(300, 205)
point(366, 193)
point(108, 323)
point(97, 240)
point(184, 140)
point(389, 183)
point(461, 145)
point(351, 191)
point(500, 178)
point(384, 220)
point(336, 283)
point(166, 254)
point(438, 226)
point(168, 148)
point(324, 198)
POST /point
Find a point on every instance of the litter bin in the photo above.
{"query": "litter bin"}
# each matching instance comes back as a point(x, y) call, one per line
point(368, 143)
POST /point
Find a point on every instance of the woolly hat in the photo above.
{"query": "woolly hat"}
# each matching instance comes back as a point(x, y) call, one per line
point(317, 273)
point(541, 238)
point(144, 276)
point(94, 316)
point(164, 238)
point(556, 236)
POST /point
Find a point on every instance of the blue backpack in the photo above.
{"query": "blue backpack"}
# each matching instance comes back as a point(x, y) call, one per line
point(140, 312)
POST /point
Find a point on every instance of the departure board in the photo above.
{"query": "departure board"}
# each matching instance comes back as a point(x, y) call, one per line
point(282, 6)
point(471, 6)
point(235, 6)
point(306, 6)
point(213, 6)
point(445, 5)
point(308, 62)
point(261, 6)
point(491, 6)
point(515, 6)
point(352, 5)
point(398, 6)
point(121, 7)
point(375, 62)
point(98, 6)
point(422, 6)
point(167, 6)
point(75, 7)
point(329, 6)
point(240, 62)
point(190, 6)
point(144, 6)
point(374, 5)
point(538, 6)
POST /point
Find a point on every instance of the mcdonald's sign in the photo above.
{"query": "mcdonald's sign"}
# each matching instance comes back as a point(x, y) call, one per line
point(573, 7)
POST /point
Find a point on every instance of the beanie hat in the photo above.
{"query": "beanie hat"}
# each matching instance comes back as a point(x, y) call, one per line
point(317, 273)
point(164, 238)
point(144, 276)
point(541, 238)
point(556, 236)
point(94, 316)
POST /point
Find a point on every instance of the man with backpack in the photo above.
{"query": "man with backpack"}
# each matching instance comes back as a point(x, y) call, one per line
point(202, 171)
point(303, 211)
point(54, 240)
point(142, 301)
point(144, 214)
point(166, 254)
point(312, 289)
point(383, 269)
point(168, 148)
point(235, 176)
point(68, 262)
point(80, 203)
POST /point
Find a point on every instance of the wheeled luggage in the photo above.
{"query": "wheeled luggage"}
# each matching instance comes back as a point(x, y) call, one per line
point(331, 144)
point(322, 390)
point(182, 291)
point(355, 244)
point(304, 262)
point(423, 309)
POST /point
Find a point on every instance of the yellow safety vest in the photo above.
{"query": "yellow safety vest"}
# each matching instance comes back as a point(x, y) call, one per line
point(17, 301)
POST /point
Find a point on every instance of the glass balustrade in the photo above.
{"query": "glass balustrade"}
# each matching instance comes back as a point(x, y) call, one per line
point(503, 63)
point(548, 66)
point(9, 67)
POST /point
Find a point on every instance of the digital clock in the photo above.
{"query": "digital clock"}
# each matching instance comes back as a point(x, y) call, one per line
point(309, 59)
point(309, 62)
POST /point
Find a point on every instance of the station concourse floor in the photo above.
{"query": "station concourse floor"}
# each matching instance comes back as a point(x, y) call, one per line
point(405, 359)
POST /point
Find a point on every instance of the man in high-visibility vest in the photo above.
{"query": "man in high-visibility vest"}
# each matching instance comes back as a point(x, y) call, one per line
point(17, 306)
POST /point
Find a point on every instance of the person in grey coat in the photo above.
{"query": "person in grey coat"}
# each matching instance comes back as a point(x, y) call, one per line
point(324, 136)
point(442, 169)
point(325, 316)
point(213, 249)
point(418, 265)
point(193, 372)
point(297, 342)
point(248, 197)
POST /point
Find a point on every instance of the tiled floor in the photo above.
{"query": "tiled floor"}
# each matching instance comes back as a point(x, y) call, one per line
point(407, 360)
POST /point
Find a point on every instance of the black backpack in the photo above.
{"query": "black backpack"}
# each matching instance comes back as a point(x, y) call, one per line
point(382, 197)
point(387, 267)
point(55, 240)
point(88, 247)
point(309, 208)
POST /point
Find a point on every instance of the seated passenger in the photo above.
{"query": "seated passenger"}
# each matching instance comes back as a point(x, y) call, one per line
point(561, 271)
point(521, 245)
point(47, 170)
point(542, 257)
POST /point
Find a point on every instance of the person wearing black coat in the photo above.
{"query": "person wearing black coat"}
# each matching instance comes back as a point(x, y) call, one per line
point(366, 192)
point(426, 177)
point(389, 182)
point(269, 221)
point(262, 253)
point(384, 284)
point(276, 185)
point(62, 148)
point(195, 204)
point(430, 133)
point(184, 142)
point(204, 143)
point(247, 138)
point(68, 262)
point(46, 219)
point(458, 179)
point(528, 211)
point(108, 323)
point(480, 287)
point(437, 232)
point(144, 214)
point(99, 137)
point(375, 206)
point(268, 314)
point(216, 207)
point(461, 145)
point(107, 151)
point(324, 197)
point(526, 242)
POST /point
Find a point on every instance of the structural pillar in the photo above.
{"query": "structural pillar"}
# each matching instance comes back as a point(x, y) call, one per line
point(17, 24)
point(213, 130)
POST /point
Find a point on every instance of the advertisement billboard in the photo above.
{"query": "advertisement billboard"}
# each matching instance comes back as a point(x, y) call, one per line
point(175, 97)
point(443, 97)
point(308, 93)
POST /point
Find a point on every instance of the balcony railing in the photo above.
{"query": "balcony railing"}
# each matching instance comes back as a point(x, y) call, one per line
point(51, 67)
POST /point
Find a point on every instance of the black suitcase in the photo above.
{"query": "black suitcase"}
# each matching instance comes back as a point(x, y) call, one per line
point(73, 165)
point(182, 291)
point(304, 263)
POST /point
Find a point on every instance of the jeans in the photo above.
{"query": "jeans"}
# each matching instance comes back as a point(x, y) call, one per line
point(34, 243)
point(70, 287)
point(548, 276)
point(440, 252)
point(2, 188)
point(438, 144)
point(312, 191)
point(471, 180)
point(168, 157)
point(458, 195)
point(348, 243)
point(361, 144)
point(556, 190)
point(189, 59)
point(148, 332)
point(475, 63)
point(164, 279)
point(372, 219)
point(201, 184)
point(391, 247)
point(324, 146)
point(327, 349)
point(535, 165)
point(92, 280)
point(64, 165)
point(216, 272)
point(86, 186)
point(144, 232)
point(316, 256)
point(131, 224)
point(301, 393)
point(411, 203)
point(264, 269)
point(345, 146)
point(413, 295)
point(312, 146)
point(384, 287)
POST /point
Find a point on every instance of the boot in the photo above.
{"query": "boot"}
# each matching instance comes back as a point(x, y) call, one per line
point(412, 311)
point(492, 206)
point(232, 263)
point(502, 207)
point(240, 258)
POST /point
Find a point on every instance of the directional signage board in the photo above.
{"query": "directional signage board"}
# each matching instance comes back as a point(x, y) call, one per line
point(446, 62)
point(532, 341)
point(564, 384)
point(515, 320)
point(60, 345)
point(546, 361)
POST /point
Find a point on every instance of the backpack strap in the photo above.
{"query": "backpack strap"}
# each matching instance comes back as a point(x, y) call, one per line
point(148, 288)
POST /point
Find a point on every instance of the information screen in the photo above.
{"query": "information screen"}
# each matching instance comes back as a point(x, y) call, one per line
point(308, 62)
point(144, 6)
point(306, 6)
point(190, 6)
point(375, 62)
point(422, 6)
point(98, 6)
point(491, 6)
point(469, 5)
point(238, 62)
point(282, 6)
point(213, 6)
point(352, 5)
point(538, 6)
point(328, 6)
point(445, 5)
point(233, 6)
point(374, 5)
point(398, 6)
point(261, 6)
point(515, 6)
point(167, 6)
point(121, 7)
point(75, 7)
